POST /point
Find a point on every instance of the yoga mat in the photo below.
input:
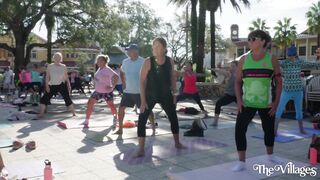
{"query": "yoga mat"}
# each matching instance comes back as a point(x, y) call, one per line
point(6, 110)
point(76, 124)
point(5, 125)
point(223, 171)
point(292, 115)
point(164, 150)
point(285, 136)
point(29, 169)
point(5, 142)
point(222, 124)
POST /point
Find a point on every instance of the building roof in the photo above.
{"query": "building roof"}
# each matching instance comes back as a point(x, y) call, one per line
point(116, 55)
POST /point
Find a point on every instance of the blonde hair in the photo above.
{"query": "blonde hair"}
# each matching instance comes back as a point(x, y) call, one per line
point(58, 54)
point(104, 57)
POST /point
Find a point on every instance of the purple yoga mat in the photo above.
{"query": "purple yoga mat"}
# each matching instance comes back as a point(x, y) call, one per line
point(167, 150)
point(285, 136)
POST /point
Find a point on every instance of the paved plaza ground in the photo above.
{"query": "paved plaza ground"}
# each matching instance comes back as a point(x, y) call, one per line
point(96, 153)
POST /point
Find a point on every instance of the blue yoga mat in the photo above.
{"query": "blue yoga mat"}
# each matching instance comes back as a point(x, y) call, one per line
point(290, 135)
point(5, 125)
point(5, 142)
point(292, 115)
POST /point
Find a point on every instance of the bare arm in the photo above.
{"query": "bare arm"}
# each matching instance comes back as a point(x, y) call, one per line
point(67, 78)
point(143, 78)
point(173, 78)
point(238, 84)
point(222, 71)
point(123, 78)
point(277, 74)
point(47, 77)
point(115, 79)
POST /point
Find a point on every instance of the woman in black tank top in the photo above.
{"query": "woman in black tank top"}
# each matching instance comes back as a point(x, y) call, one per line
point(157, 85)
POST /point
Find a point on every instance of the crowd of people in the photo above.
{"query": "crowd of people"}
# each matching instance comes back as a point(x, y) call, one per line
point(258, 83)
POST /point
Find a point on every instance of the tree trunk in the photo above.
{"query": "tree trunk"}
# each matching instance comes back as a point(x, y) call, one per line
point(213, 41)
point(285, 52)
point(318, 44)
point(49, 48)
point(194, 30)
point(19, 55)
point(202, 28)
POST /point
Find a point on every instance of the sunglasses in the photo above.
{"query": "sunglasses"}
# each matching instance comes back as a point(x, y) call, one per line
point(252, 39)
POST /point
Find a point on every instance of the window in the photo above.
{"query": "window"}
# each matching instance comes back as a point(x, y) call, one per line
point(72, 55)
point(302, 50)
point(240, 51)
point(313, 50)
point(67, 55)
point(34, 55)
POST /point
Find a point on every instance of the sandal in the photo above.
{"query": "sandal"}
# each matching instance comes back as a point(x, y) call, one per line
point(31, 145)
point(17, 144)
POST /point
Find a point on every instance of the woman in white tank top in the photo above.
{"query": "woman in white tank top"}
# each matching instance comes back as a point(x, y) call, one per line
point(57, 81)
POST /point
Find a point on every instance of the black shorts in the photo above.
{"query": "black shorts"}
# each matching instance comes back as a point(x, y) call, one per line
point(129, 100)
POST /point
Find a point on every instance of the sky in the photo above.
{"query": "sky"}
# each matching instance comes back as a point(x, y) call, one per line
point(269, 10)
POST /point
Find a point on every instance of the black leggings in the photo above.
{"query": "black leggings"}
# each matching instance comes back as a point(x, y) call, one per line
point(243, 120)
point(168, 107)
point(224, 100)
point(194, 96)
point(54, 89)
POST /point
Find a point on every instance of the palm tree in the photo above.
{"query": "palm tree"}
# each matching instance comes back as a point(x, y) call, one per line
point(49, 21)
point(201, 37)
point(212, 6)
point(194, 24)
point(313, 23)
point(259, 24)
point(285, 34)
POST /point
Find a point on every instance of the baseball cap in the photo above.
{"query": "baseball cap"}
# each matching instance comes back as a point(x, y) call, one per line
point(292, 51)
point(132, 47)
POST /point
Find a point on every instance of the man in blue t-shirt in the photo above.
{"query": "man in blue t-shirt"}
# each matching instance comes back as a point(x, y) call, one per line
point(130, 77)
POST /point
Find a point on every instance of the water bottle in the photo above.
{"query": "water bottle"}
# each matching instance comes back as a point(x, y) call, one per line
point(47, 170)
point(313, 156)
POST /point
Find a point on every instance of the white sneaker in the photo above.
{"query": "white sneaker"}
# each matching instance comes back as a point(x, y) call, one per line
point(240, 166)
point(4, 173)
point(274, 159)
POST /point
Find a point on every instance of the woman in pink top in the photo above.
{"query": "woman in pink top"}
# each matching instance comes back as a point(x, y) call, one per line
point(190, 90)
point(25, 79)
point(105, 81)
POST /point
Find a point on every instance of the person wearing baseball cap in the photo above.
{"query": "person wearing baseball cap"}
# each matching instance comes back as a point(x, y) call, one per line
point(130, 77)
point(292, 85)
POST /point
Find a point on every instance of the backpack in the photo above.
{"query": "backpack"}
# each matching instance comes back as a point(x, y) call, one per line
point(315, 143)
point(197, 128)
point(191, 110)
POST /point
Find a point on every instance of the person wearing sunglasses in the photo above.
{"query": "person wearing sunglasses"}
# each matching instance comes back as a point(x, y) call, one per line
point(292, 85)
point(253, 86)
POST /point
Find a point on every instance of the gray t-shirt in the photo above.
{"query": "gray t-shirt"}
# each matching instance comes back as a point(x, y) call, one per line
point(230, 85)
point(131, 69)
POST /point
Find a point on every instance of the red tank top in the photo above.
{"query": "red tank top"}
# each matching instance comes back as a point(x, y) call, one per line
point(190, 84)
